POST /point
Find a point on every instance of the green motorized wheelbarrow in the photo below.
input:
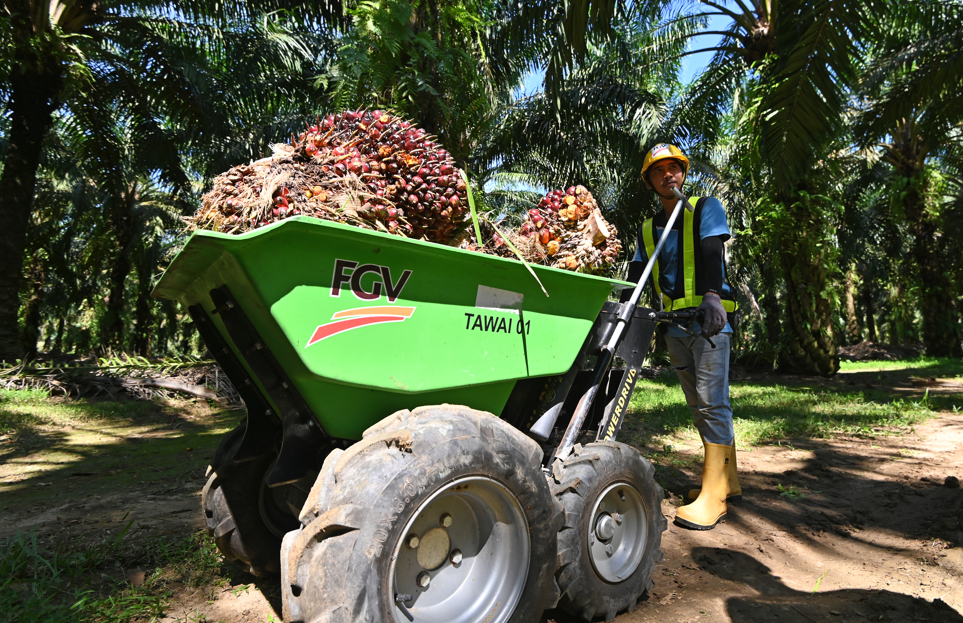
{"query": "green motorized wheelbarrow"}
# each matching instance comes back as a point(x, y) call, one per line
point(429, 437)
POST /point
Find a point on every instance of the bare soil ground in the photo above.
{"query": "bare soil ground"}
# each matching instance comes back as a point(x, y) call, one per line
point(848, 529)
point(863, 530)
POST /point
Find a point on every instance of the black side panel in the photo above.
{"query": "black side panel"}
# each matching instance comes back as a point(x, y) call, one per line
point(602, 329)
point(303, 441)
point(262, 428)
point(638, 338)
point(633, 349)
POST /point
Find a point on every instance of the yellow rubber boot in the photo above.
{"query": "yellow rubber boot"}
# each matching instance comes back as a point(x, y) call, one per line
point(733, 488)
point(710, 506)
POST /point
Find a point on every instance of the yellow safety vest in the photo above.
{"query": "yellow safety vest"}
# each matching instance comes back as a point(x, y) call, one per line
point(690, 298)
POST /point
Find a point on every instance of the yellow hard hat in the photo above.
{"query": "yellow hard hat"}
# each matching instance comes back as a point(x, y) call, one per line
point(665, 151)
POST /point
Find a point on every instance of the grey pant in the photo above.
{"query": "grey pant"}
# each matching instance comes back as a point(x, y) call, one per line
point(704, 374)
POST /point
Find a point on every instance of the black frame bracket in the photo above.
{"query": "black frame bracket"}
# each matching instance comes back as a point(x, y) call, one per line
point(302, 440)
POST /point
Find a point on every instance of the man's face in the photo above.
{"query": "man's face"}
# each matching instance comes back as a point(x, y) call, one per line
point(665, 175)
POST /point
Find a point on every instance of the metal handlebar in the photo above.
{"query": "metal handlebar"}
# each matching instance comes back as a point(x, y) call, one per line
point(607, 351)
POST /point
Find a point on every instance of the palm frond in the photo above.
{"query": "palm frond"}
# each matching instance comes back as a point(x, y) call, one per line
point(802, 110)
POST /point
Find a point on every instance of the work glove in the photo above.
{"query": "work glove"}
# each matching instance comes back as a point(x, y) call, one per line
point(714, 314)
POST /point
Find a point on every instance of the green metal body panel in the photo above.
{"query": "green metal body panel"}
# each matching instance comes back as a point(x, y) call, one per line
point(365, 323)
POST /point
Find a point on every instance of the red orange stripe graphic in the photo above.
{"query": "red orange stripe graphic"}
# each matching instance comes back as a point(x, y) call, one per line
point(360, 317)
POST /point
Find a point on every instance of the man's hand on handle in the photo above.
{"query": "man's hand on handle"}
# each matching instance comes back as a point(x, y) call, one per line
point(714, 314)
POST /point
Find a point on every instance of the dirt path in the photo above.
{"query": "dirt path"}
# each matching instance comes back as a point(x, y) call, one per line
point(844, 530)
point(864, 530)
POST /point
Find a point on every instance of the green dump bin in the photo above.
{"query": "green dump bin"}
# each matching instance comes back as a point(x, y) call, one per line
point(364, 323)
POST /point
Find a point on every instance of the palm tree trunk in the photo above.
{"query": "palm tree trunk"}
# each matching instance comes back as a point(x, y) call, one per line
point(811, 349)
point(33, 100)
point(59, 340)
point(853, 331)
point(809, 304)
point(941, 328)
point(173, 326)
point(112, 332)
point(112, 324)
point(889, 318)
point(33, 305)
point(770, 306)
point(143, 313)
point(941, 321)
point(869, 308)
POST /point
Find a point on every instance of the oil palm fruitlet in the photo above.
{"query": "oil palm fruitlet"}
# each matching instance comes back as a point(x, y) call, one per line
point(366, 168)
point(567, 230)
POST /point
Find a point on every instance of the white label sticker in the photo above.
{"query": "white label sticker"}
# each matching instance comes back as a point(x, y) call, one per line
point(499, 300)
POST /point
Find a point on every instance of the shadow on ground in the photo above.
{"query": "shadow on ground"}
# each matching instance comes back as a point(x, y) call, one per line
point(777, 602)
point(134, 448)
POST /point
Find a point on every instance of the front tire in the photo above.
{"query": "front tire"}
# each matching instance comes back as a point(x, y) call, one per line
point(440, 515)
point(245, 517)
point(612, 537)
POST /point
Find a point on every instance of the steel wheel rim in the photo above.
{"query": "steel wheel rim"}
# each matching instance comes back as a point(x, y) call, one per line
point(489, 529)
point(620, 515)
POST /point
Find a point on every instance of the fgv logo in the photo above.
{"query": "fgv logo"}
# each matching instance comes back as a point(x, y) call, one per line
point(349, 273)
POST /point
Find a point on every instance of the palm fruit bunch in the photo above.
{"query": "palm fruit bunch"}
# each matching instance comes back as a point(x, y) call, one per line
point(370, 169)
point(567, 231)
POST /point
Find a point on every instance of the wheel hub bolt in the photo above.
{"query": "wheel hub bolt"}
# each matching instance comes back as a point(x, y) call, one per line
point(424, 579)
point(605, 527)
point(445, 520)
point(609, 549)
point(618, 518)
point(455, 557)
point(413, 541)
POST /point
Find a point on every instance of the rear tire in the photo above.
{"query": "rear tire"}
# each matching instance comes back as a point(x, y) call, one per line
point(444, 496)
point(612, 537)
point(242, 514)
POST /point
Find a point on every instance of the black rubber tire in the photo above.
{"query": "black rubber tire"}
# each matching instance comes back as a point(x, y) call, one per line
point(336, 569)
point(230, 501)
point(579, 480)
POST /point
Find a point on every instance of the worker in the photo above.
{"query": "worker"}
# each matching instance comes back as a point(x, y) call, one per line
point(689, 275)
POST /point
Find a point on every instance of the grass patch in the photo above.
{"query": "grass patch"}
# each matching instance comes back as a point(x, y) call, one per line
point(58, 452)
point(23, 409)
point(944, 367)
point(79, 446)
point(766, 412)
point(792, 493)
point(772, 412)
point(58, 585)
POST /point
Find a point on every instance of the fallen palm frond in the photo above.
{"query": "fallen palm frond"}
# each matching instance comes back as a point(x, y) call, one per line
point(116, 374)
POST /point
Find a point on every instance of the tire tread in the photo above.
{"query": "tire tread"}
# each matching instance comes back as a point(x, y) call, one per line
point(239, 532)
point(334, 588)
point(576, 477)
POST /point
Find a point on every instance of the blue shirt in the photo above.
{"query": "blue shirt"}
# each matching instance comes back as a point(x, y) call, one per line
point(713, 223)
